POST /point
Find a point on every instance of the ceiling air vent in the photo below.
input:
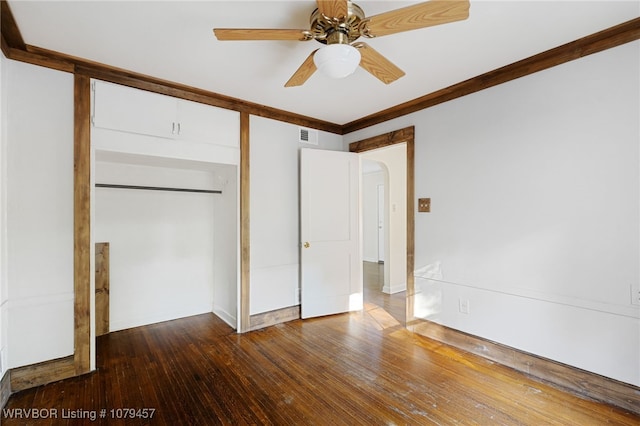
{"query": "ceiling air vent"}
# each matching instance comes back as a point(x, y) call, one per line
point(309, 136)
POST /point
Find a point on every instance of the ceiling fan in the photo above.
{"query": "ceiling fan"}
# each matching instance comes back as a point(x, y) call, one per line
point(340, 23)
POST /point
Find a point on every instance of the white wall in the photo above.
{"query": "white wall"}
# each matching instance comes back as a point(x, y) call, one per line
point(370, 183)
point(225, 245)
point(275, 236)
point(3, 220)
point(394, 159)
point(535, 188)
point(184, 159)
point(39, 209)
point(162, 244)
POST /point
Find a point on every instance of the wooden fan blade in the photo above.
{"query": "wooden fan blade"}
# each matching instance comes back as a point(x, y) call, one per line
point(377, 65)
point(421, 15)
point(303, 73)
point(333, 8)
point(260, 34)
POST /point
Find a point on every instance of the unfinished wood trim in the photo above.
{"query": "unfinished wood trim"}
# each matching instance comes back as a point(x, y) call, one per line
point(386, 139)
point(82, 223)
point(4, 46)
point(597, 42)
point(36, 59)
point(42, 373)
point(577, 381)
point(277, 316)
point(14, 47)
point(10, 30)
point(603, 40)
point(5, 388)
point(406, 135)
point(165, 87)
point(411, 225)
point(245, 240)
point(152, 84)
point(102, 289)
point(61, 61)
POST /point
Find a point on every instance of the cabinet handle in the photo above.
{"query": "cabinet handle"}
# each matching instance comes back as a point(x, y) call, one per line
point(173, 128)
point(178, 128)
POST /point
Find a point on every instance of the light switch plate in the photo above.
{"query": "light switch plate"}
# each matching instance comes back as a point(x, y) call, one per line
point(424, 205)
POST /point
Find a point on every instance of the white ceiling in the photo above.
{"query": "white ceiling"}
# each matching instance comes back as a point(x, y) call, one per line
point(173, 40)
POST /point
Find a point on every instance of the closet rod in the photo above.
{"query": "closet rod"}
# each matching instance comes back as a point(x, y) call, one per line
point(158, 188)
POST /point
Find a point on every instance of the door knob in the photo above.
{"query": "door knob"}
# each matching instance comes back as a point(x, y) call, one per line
point(306, 244)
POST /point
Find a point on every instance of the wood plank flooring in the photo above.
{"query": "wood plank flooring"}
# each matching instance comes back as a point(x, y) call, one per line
point(395, 305)
point(339, 370)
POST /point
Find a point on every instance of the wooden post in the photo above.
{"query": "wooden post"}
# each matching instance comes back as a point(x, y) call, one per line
point(245, 241)
point(102, 289)
point(82, 223)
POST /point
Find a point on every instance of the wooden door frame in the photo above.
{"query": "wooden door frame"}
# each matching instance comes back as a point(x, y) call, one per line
point(406, 135)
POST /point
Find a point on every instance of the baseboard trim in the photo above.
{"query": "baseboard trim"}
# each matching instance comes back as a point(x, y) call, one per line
point(42, 373)
point(5, 388)
point(575, 380)
point(394, 290)
point(277, 316)
point(225, 316)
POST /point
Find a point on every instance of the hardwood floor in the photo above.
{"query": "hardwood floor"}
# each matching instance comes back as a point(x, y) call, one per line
point(344, 369)
point(393, 304)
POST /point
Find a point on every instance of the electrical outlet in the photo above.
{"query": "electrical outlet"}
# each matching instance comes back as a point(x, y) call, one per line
point(635, 294)
point(463, 305)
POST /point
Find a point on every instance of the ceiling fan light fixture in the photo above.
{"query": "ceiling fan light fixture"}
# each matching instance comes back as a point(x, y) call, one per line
point(337, 60)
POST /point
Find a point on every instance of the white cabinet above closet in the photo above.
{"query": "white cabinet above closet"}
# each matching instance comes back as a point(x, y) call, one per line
point(137, 111)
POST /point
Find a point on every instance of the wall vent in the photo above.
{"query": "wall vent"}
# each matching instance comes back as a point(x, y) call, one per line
point(309, 136)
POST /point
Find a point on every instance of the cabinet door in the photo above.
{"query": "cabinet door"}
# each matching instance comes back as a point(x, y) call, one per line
point(135, 111)
point(205, 123)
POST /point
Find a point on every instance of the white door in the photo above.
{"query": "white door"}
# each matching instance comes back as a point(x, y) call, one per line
point(331, 264)
point(380, 223)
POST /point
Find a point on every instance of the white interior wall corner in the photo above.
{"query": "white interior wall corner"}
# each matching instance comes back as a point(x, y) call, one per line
point(274, 200)
point(535, 215)
point(161, 244)
point(3, 221)
point(191, 161)
point(38, 135)
point(226, 258)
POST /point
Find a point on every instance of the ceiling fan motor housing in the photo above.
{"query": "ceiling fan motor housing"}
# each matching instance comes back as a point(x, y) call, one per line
point(337, 30)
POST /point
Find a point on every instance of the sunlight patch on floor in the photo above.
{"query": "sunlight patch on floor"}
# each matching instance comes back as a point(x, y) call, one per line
point(382, 318)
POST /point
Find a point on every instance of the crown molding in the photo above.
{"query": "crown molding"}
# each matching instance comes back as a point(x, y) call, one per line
point(597, 42)
point(15, 48)
point(10, 31)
